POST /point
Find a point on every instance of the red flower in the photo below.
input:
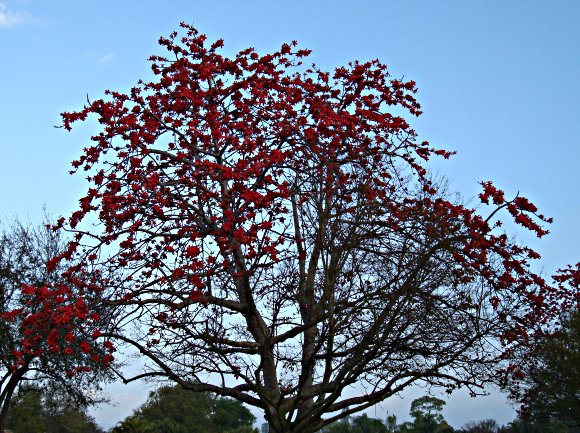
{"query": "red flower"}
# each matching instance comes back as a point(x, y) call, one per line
point(109, 346)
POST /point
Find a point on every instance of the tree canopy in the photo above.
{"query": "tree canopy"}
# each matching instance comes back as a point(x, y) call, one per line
point(276, 237)
point(171, 409)
point(550, 389)
point(427, 418)
point(40, 321)
point(37, 409)
point(358, 424)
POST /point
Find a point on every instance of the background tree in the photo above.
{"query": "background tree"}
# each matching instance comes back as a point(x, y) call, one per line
point(26, 409)
point(358, 424)
point(426, 413)
point(391, 424)
point(276, 227)
point(45, 410)
point(427, 408)
point(482, 426)
point(554, 392)
point(40, 323)
point(549, 367)
point(520, 425)
point(427, 417)
point(341, 426)
point(132, 425)
point(171, 409)
point(365, 424)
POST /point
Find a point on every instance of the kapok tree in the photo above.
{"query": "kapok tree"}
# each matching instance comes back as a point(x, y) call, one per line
point(47, 333)
point(281, 242)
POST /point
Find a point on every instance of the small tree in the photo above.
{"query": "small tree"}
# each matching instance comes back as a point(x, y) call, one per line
point(358, 424)
point(528, 426)
point(364, 424)
point(174, 410)
point(427, 417)
point(550, 367)
point(40, 324)
point(391, 424)
point(483, 426)
point(48, 410)
point(132, 425)
point(276, 228)
point(427, 408)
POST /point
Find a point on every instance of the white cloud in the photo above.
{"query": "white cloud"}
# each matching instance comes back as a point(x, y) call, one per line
point(10, 18)
point(106, 58)
point(99, 58)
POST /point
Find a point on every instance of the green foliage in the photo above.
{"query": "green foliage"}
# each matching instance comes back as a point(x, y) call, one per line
point(482, 426)
point(528, 426)
point(364, 424)
point(133, 426)
point(358, 424)
point(426, 412)
point(391, 424)
point(171, 409)
point(40, 410)
point(27, 354)
point(230, 416)
point(243, 429)
point(25, 414)
point(554, 380)
point(427, 418)
point(427, 408)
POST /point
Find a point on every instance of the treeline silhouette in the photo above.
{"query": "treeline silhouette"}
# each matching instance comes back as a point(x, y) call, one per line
point(427, 418)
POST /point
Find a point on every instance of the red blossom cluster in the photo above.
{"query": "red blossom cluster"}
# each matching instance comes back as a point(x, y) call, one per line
point(53, 320)
point(225, 133)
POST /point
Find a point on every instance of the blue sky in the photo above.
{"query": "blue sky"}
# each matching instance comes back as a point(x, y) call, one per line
point(499, 82)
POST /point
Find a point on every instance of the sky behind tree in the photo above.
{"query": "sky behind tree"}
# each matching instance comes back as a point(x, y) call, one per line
point(499, 83)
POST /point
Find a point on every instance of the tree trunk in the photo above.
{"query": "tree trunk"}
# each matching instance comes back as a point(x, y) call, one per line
point(7, 393)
